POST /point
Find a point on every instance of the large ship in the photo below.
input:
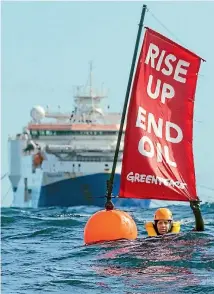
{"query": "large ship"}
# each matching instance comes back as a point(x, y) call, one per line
point(65, 159)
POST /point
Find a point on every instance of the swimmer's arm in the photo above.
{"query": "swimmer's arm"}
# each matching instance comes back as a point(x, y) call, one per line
point(199, 222)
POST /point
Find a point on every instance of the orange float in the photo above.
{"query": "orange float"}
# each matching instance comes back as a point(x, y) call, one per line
point(109, 225)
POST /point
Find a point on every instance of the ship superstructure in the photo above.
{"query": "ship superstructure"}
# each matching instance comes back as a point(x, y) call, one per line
point(64, 159)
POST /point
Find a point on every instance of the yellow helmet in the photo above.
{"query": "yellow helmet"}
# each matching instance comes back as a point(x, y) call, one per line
point(163, 213)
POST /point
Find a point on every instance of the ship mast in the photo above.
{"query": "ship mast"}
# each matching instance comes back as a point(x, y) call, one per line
point(90, 83)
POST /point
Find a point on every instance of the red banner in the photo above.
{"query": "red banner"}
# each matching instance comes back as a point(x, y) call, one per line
point(158, 152)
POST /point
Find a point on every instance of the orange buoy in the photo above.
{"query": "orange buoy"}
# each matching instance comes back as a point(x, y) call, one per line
point(109, 225)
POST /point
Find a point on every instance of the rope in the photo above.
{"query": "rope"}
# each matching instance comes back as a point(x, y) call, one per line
point(170, 32)
point(198, 121)
point(208, 188)
point(4, 176)
point(165, 27)
point(3, 198)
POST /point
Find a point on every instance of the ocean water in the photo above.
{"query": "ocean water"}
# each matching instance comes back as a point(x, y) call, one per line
point(42, 251)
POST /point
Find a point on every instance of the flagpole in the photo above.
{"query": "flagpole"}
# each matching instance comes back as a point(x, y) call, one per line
point(109, 205)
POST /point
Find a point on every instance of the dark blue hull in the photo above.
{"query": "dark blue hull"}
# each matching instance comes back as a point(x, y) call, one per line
point(85, 190)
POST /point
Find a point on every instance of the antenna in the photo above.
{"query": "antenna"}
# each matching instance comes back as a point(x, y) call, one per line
point(90, 77)
point(90, 84)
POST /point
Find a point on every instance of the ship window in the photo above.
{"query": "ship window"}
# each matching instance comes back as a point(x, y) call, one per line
point(34, 133)
point(74, 133)
point(48, 133)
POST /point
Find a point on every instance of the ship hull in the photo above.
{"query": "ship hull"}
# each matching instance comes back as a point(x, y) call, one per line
point(84, 190)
